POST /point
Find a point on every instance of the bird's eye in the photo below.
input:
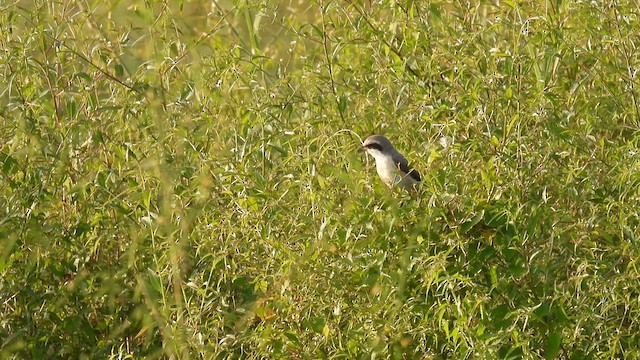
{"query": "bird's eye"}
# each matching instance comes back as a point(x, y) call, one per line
point(374, 146)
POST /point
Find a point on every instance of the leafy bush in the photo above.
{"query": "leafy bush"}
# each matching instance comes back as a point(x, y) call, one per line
point(180, 180)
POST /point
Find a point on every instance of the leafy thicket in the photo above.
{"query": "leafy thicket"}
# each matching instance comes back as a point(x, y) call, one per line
point(181, 179)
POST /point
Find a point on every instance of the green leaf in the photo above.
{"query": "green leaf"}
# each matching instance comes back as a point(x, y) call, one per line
point(316, 324)
point(469, 224)
point(119, 70)
point(553, 345)
point(292, 337)
point(154, 280)
point(9, 164)
point(342, 104)
point(84, 76)
point(72, 108)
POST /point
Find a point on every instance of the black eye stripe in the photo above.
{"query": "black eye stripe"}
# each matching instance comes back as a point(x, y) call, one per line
point(374, 146)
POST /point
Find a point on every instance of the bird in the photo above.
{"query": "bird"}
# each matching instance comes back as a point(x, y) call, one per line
point(392, 167)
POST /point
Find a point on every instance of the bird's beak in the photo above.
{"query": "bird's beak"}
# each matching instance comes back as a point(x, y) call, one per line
point(361, 149)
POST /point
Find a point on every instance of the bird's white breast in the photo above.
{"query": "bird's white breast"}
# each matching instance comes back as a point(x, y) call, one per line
point(389, 173)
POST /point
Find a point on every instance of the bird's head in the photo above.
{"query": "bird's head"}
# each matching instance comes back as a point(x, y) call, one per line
point(377, 145)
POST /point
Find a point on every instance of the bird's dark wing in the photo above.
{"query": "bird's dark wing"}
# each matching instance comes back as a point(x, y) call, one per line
point(403, 165)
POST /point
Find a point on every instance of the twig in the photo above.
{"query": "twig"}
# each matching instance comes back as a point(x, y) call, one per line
point(325, 45)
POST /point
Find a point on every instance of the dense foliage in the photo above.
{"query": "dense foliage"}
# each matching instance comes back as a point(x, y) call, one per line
point(180, 179)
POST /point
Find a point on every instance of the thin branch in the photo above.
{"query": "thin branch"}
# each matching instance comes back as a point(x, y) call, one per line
point(326, 45)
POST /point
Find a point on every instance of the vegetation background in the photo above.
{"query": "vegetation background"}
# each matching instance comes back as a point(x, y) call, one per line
point(180, 179)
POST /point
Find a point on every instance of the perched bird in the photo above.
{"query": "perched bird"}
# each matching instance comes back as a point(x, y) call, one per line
point(392, 167)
